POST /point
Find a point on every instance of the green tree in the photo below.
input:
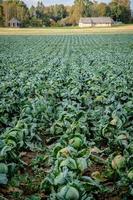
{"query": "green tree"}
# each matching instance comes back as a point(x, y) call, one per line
point(57, 12)
point(40, 10)
point(84, 7)
point(15, 8)
point(81, 8)
point(120, 10)
point(1, 15)
point(32, 12)
point(102, 9)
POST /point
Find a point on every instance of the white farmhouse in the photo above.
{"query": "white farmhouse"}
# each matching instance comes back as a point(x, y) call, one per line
point(95, 22)
point(14, 23)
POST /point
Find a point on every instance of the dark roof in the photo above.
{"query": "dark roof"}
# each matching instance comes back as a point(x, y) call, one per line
point(14, 20)
point(97, 20)
point(85, 20)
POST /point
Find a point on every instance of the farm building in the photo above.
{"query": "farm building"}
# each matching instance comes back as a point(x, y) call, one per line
point(14, 23)
point(95, 21)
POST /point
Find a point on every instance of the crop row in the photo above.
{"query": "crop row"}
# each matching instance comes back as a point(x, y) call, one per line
point(70, 99)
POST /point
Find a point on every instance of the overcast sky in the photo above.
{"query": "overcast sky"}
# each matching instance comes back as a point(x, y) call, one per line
point(66, 2)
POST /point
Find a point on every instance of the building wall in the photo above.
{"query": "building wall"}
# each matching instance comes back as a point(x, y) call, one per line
point(14, 25)
point(84, 25)
point(94, 25)
point(102, 25)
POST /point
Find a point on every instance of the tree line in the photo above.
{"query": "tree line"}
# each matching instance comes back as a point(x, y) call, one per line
point(60, 15)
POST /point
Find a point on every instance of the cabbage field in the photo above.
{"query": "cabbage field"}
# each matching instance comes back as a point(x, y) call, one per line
point(66, 117)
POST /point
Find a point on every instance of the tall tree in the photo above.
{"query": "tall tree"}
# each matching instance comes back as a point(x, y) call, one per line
point(15, 8)
point(40, 10)
point(32, 12)
point(84, 7)
point(81, 8)
point(1, 15)
point(102, 9)
point(120, 10)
